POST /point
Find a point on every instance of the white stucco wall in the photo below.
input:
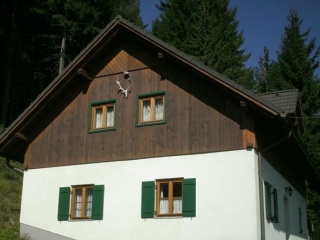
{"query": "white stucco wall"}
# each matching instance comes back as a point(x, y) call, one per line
point(226, 198)
point(276, 231)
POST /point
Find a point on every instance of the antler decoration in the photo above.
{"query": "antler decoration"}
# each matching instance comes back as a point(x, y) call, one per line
point(123, 91)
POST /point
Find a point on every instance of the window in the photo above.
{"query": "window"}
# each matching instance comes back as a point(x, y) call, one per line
point(169, 197)
point(151, 108)
point(102, 116)
point(81, 202)
point(271, 202)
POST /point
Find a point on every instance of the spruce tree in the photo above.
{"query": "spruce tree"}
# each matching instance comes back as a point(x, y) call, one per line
point(208, 31)
point(298, 59)
point(73, 24)
point(32, 34)
point(267, 75)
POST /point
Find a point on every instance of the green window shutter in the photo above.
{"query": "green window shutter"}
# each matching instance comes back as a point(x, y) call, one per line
point(147, 199)
point(275, 201)
point(189, 197)
point(64, 202)
point(267, 188)
point(97, 202)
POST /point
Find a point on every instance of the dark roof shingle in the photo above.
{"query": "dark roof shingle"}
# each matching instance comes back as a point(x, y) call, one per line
point(286, 100)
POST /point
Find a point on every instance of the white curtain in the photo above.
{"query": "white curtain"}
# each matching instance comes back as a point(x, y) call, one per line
point(146, 111)
point(110, 116)
point(78, 201)
point(158, 109)
point(89, 202)
point(177, 205)
point(98, 117)
point(164, 206)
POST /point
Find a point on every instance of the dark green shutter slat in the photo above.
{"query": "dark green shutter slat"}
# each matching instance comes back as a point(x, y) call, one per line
point(147, 199)
point(63, 205)
point(189, 198)
point(275, 200)
point(97, 202)
point(267, 187)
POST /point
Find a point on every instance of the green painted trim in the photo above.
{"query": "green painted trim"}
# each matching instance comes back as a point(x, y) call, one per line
point(147, 199)
point(63, 205)
point(90, 117)
point(189, 197)
point(165, 109)
point(97, 202)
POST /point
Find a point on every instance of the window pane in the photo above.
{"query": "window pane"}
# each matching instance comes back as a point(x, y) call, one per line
point(110, 116)
point(88, 202)
point(177, 197)
point(158, 113)
point(146, 110)
point(98, 116)
point(164, 201)
point(78, 202)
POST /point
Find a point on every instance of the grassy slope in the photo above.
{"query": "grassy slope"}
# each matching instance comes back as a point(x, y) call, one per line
point(10, 200)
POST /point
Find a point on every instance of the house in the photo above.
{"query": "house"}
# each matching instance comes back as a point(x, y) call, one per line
point(136, 140)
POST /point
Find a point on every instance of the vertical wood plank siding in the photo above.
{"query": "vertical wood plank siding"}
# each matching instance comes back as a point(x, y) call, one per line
point(201, 116)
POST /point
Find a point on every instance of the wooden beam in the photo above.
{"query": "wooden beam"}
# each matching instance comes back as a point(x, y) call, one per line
point(21, 136)
point(83, 74)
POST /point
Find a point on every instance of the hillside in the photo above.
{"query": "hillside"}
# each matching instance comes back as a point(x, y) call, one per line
point(10, 199)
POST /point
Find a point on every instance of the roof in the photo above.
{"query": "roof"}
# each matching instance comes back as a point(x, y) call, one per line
point(286, 100)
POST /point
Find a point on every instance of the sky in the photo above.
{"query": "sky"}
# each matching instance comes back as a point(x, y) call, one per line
point(261, 21)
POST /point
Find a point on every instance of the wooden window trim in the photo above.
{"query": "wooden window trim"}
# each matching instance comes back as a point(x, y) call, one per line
point(92, 116)
point(83, 203)
point(152, 98)
point(170, 196)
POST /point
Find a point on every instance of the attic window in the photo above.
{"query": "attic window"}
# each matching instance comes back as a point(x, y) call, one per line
point(102, 116)
point(151, 109)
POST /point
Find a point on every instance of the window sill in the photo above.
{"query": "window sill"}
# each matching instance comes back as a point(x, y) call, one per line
point(80, 220)
point(150, 123)
point(101, 130)
point(168, 217)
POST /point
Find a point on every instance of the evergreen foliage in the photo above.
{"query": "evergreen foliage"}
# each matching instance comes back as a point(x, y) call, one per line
point(208, 31)
point(267, 74)
point(31, 36)
point(297, 62)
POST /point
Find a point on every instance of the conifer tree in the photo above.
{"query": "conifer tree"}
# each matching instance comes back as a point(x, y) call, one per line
point(267, 75)
point(208, 31)
point(298, 59)
point(32, 34)
point(71, 25)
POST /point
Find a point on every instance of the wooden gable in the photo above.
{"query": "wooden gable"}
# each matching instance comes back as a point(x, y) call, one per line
point(201, 117)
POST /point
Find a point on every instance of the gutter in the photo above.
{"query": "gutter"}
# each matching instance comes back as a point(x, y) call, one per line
point(261, 199)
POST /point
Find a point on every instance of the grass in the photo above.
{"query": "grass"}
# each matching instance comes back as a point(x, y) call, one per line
point(10, 201)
